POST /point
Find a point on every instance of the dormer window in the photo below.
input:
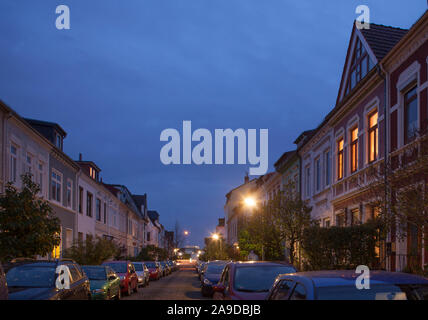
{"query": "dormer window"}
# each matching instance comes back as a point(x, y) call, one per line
point(58, 141)
point(93, 173)
point(360, 66)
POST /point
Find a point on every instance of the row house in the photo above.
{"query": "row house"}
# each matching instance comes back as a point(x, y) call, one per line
point(381, 105)
point(85, 206)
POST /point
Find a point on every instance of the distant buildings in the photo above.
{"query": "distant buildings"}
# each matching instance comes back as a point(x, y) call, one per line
point(380, 116)
point(85, 205)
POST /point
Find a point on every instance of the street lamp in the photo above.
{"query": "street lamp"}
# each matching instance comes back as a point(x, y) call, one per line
point(186, 233)
point(215, 236)
point(251, 203)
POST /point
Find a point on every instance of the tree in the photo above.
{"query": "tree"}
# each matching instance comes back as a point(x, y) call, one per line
point(216, 250)
point(178, 235)
point(27, 224)
point(92, 251)
point(151, 253)
point(292, 215)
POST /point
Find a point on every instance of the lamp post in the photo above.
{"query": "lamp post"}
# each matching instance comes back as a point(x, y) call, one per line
point(251, 203)
point(216, 237)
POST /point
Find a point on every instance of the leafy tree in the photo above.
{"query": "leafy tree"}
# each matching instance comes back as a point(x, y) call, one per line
point(92, 251)
point(27, 224)
point(151, 253)
point(292, 215)
point(216, 250)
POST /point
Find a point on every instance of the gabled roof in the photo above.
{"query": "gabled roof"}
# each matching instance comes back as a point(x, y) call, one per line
point(377, 41)
point(382, 39)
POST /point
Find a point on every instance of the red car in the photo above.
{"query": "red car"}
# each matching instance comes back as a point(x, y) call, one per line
point(126, 272)
point(154, 269)
point(249, 280)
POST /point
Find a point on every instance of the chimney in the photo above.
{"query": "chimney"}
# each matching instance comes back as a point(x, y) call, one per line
point(80, 157)
point(246, 179)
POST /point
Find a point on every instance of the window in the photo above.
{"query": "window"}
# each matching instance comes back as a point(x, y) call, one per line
point(361, 65)
point(410, 115)
point(68, 238)
point(13, 163)
point(340, 159)
point(299, 293)
point(98, 209)
point(354, 150)
point(356, 216)
point(327, 167)
point(340, 219)
point(80, 200)
point(318, 174)
point(308, 181)
point(326, 222)
point(69, 193)
point(58, 141)
point(372, 137)
point(92, 173)
point(40, 176)
point(282, 290)
point(89, 198)
point(105, 213)
point(29, 163)
point(80, 236)
point(148, 236)
point(56, 186)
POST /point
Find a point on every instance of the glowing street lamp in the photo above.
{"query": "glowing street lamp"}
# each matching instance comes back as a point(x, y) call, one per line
point(215, 236)
point(186, 233)
point(250, 202)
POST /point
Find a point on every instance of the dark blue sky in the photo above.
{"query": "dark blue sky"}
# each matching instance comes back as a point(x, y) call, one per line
point(129, 69)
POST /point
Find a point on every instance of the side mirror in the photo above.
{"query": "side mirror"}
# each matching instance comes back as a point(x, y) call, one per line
point(219, 288)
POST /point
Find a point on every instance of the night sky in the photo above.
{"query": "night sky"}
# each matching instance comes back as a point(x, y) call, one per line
point(126, 70)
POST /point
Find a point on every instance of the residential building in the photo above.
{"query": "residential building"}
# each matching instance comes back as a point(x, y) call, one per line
point(62, 182)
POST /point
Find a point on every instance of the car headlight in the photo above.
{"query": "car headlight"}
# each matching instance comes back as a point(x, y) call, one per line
point(207, 282)
point(98, 291)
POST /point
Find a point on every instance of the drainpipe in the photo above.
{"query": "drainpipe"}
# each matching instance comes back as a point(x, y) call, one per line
point(385, 76)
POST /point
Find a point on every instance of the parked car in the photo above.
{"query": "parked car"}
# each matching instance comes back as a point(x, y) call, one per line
point(154, 270)
point(37, 280)
point(126, 272)
point(171, 265)
point(3, 284)
point(143, 273)
point(165, 267)
point(200, 269)
point(248, 280)
point(341, 285)
point(210, 277)
point(161, 268)
point(104, 282)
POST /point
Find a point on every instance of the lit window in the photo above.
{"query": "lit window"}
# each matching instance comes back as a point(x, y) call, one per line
point(354, 150)
point(372, 136)
point(410, 115)
point(340, 159)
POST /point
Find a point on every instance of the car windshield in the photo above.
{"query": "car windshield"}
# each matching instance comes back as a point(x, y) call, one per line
point(31, 276)
point(151, 265)
point(258, 278)
point(215, 268)
point(118, 267)
point(376, 292)
point(138, 267)
point(95, 273)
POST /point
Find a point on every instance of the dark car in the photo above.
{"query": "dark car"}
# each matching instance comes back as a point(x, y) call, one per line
point(166, 268)
point(37, 280)
point(3, 284)
point(249, 280)
point(210, 277)
point(171, 265)
point(104, 282)
point(200, 269)
point(143, 273)
point(341, 285)
point(126, 272)
point(154, 270)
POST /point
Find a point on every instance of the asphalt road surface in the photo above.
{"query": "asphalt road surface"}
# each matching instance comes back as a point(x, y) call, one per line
point(180, 285)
